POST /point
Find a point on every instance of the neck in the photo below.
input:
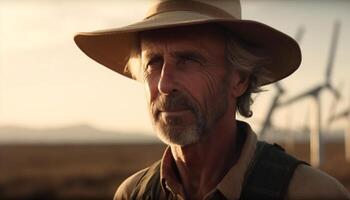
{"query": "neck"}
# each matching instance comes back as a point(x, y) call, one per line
point(203, 165)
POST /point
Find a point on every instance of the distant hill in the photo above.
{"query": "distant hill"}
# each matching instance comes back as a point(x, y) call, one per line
point(84, 133)
point(70, 134)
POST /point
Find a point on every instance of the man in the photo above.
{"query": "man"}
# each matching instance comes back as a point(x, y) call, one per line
point(199, 63)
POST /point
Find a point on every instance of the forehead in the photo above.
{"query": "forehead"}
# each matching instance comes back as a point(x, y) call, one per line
point(193, 37)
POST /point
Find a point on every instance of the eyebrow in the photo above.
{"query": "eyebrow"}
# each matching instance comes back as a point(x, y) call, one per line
point(189, 54)
point(180, 54)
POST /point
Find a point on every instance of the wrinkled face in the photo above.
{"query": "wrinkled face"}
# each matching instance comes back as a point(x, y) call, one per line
point(186, 81)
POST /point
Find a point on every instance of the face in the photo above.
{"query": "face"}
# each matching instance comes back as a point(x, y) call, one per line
point(186, 81)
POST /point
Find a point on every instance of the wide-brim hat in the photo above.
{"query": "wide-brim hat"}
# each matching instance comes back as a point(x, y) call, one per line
point(112, 47)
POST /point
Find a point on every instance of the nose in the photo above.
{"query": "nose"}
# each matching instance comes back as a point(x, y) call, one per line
point(167, 81)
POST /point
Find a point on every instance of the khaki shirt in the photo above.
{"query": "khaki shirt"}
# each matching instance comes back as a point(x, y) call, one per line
point(306, 183)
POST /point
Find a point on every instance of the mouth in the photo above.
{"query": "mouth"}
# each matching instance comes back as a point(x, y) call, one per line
point(172, 114)
point(175, 117)
point(174, 111)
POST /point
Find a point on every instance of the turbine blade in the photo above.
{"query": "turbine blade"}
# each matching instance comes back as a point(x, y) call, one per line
point(279, 88)
point(332, 50)
point(335, 92)
point(311, 92)
point(334, 103)
point(343, 114)
point(299, 34)
point(274, 104)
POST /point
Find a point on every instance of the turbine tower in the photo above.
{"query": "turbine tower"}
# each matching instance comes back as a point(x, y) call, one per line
point(344, 114)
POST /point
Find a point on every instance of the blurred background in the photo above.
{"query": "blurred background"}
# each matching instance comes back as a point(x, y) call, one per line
point(73, 129)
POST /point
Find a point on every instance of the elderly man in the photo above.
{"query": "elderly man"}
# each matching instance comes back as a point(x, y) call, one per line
point(200, 63)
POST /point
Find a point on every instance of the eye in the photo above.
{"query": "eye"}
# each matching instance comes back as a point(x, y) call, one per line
point(154, 64)
point(189, 61)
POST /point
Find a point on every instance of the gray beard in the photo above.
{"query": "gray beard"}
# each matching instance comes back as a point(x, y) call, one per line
point(175, 134)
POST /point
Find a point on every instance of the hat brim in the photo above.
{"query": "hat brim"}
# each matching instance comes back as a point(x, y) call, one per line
point(112, 47)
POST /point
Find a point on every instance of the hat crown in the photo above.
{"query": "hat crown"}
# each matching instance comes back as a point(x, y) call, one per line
point(223, 8)
point(112, 47)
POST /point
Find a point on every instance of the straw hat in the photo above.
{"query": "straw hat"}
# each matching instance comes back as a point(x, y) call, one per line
point(112, 47)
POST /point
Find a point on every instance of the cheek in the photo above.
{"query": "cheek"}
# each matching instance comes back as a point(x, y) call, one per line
point(209, 83)
point(151, 89)
point(202, 88)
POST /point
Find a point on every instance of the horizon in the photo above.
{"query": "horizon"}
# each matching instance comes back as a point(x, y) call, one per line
point(87, 134)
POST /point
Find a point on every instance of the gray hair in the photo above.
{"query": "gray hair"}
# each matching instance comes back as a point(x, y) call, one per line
point(240, 56)
point(248, 61)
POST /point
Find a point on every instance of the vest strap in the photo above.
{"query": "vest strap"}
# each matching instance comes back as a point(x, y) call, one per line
point(270, 173)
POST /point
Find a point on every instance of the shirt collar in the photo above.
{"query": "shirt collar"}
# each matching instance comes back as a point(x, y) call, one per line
point(231, 185)
point(169, 174)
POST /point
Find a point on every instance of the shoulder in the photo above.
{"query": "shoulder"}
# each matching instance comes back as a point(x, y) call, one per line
point(125, 189)
point(311, 183)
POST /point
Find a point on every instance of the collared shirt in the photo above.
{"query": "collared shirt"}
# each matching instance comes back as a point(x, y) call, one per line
point(306, 183)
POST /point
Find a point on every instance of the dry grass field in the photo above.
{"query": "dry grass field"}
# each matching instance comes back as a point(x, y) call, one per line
point(95, 171)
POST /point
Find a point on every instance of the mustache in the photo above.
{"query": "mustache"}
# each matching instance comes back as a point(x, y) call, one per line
point(173, 102)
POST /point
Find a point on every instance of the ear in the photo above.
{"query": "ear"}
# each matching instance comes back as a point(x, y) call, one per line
point(239, 84)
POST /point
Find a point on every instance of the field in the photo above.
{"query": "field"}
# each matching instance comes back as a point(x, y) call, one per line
point(95, 171)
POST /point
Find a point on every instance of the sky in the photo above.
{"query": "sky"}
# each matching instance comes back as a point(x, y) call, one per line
point(46, 81)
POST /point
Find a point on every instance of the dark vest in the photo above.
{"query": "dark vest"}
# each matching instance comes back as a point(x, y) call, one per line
point(267, 178)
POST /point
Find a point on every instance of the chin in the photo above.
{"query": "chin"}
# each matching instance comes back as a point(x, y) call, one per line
point(178, 136)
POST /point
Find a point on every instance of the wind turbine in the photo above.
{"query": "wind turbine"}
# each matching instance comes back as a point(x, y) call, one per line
point(314, 93)
point(279, 92)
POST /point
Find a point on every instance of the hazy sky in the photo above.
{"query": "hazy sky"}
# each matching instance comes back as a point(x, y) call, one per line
point(45, 80)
